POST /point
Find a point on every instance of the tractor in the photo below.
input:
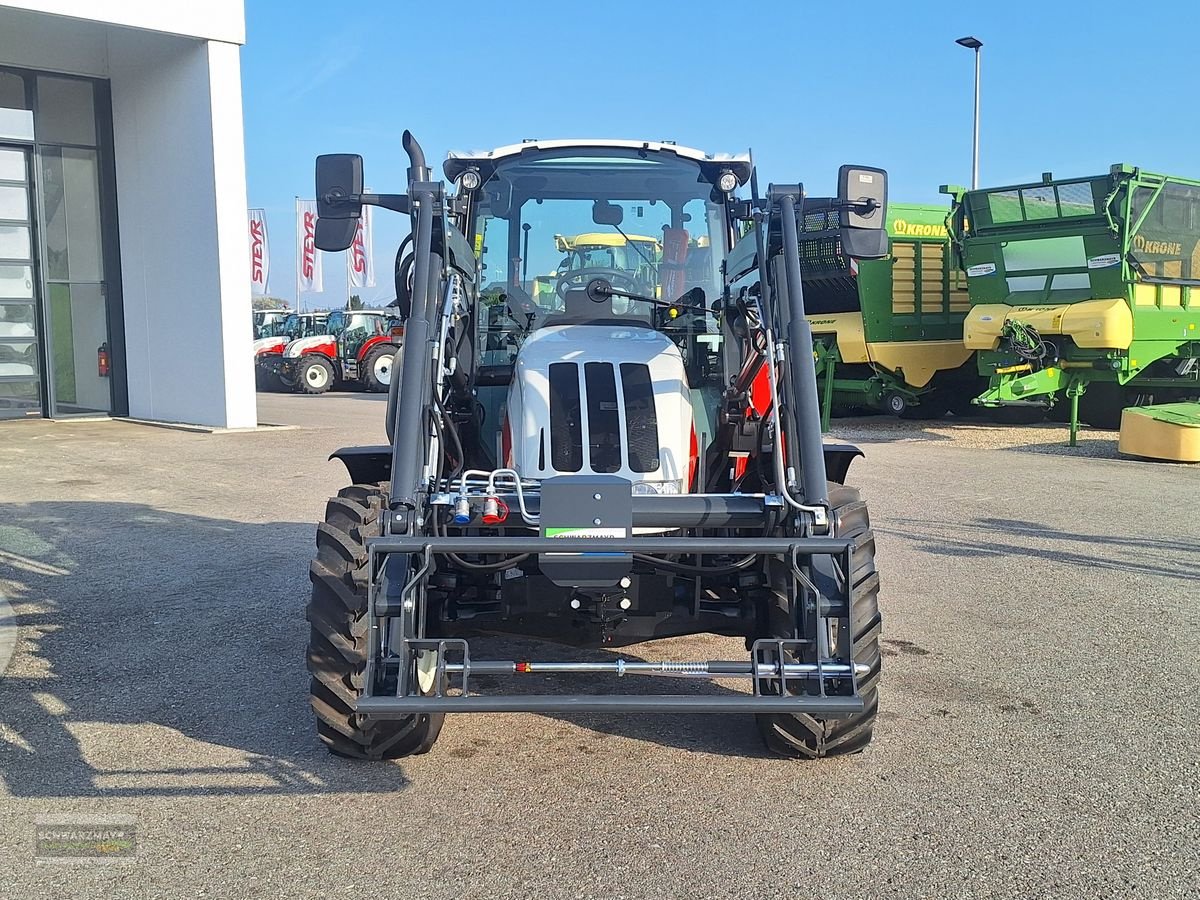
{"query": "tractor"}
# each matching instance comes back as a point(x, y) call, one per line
point(356, 347)
point(273, 340)
point(587, 467)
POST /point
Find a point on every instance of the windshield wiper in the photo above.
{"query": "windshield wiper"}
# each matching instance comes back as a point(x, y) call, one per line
point(634, 244)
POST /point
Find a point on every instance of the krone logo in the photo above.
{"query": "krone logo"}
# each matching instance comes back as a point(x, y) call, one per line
point(902, 228)
point(1163, 248)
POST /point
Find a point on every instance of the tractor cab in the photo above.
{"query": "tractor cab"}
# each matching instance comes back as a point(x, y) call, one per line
point(615, 250)
point(265, 320)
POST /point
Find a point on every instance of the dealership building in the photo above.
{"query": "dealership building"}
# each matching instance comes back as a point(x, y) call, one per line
point(124, 269)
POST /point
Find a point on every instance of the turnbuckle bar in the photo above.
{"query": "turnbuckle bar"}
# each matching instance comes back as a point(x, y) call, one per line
point(711, 669)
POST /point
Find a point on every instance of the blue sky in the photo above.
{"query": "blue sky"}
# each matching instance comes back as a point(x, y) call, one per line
point(1067, 87)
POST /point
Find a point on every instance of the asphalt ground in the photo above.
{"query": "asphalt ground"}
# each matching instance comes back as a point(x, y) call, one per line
point(1038, 736)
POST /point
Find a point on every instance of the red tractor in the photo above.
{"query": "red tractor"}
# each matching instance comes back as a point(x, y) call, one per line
point(273, 340)
point(357, 346)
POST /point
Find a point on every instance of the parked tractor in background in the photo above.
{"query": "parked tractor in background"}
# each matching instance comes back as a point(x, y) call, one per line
point(269, 347)
point(1084, 291)
point(590, 467)
point(355, 349)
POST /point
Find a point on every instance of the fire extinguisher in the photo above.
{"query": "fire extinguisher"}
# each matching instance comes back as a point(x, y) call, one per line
point(102, 360)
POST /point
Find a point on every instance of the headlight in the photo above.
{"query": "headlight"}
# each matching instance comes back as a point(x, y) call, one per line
point(727, 181)
point(469, 180)
point(656, 487)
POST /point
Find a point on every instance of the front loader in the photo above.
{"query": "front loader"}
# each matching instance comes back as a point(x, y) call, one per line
point(587, 464)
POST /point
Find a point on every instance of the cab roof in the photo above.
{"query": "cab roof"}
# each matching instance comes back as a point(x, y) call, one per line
point(457, 162)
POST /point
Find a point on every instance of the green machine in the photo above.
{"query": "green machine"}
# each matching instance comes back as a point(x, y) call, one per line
point(1083, 290)
point(887, 333)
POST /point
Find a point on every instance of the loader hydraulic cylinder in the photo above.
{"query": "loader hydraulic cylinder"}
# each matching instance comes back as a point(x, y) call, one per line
point(408, 447)
point(806, 407)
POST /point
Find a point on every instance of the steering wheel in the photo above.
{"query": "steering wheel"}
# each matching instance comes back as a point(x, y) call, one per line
point(578, 278)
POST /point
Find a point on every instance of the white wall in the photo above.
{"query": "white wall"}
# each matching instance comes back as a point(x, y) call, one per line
point(181, 188)
point(214, 20)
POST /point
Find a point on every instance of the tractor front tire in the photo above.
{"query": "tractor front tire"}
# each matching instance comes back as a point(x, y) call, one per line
point(314, 375)
point(379, 369)
point(266, 380)
point(811, 737)
point(338, 644)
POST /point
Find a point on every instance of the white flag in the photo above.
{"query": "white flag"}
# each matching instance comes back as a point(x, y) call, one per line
point(260, 252)
point(360, 259)
point(308, 257)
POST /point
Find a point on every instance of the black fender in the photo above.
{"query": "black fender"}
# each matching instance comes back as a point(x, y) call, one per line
point(366, 465)
point(837, 460)
point(373, 464)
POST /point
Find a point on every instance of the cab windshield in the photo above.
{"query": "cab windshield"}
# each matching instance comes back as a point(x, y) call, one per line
point(549, 224)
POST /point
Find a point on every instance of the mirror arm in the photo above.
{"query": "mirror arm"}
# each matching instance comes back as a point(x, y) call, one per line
point(395, 202)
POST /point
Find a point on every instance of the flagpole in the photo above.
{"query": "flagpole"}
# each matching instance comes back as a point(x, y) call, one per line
point(299, 247)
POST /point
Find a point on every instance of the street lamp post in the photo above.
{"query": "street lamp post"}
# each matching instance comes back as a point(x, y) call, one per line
point(973, 43)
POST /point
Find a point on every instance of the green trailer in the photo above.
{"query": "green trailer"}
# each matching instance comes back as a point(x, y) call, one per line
point(887, 333)
point(1083, 291)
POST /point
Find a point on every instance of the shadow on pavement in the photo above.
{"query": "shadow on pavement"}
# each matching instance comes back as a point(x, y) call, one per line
point(189, 628)
point(1164, 557)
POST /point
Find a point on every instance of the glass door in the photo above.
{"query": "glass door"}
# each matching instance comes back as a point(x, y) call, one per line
point(20, 381)
point(79, 358)
point(79, 355)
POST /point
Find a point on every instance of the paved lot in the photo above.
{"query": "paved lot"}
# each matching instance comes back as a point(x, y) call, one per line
point(1038, 738)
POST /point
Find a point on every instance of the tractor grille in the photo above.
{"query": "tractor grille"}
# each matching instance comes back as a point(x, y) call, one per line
point(566, 423)
point(604, 419)
point(602, 399)
point(640, 418)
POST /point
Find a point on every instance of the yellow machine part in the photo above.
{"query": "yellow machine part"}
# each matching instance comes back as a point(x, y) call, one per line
point(919, 360)
point(1159, 433)
point(1106, 324)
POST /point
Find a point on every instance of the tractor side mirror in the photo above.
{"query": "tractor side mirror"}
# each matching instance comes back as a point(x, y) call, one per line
point(862, 196)
point(334, 234)
point(339, 186)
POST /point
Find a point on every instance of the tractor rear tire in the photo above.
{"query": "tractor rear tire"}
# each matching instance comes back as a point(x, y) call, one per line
point(373, 367)
point(811, 737)
point(337, 648)
point(314, 375)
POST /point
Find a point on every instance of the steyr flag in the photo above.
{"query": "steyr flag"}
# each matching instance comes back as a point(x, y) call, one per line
point(260, 253)
point(308, 257)
point(360, 259)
